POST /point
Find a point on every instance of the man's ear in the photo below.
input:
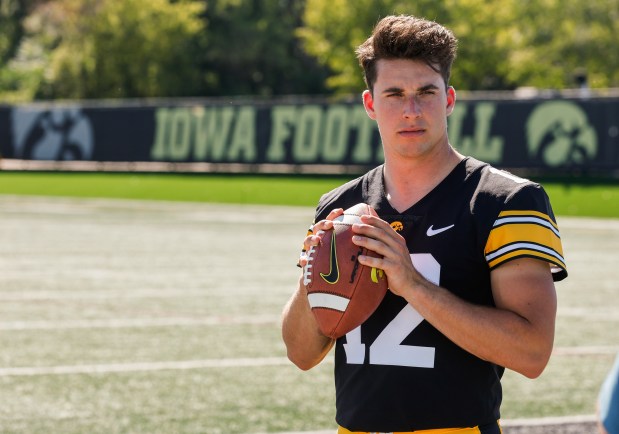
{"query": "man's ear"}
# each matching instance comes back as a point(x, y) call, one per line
point(368, 103)
point(451, 100)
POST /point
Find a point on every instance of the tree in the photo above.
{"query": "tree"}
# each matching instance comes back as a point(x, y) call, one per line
point(11, 14)
point(502, 44)
point(173, 48)
point(333, 30)
point(115, 48)
point(12, 74)
point(557, 39)
point(251, 49)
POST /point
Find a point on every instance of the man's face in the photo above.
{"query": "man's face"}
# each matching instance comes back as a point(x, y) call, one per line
point(410, 105)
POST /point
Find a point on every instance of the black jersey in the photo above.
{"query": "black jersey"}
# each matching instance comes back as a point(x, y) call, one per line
point(396, 372)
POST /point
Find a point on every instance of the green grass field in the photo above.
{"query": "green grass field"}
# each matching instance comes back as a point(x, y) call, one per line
point(570, 197)
point(162, 315)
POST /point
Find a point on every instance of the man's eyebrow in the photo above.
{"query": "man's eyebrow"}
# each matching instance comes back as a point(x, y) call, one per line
point(395, 89)
point(427, 87)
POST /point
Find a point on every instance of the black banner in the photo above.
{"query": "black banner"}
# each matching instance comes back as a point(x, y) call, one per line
point(544, 134)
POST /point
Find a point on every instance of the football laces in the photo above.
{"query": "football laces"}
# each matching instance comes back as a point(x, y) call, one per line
point(307, 270)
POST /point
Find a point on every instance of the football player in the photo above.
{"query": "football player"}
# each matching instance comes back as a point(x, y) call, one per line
point(471, 254)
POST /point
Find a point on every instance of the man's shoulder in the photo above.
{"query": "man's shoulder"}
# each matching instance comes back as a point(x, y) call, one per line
point(496, 184)
point(495, 192)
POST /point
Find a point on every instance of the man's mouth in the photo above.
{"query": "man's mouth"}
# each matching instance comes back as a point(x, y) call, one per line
point(411, 132)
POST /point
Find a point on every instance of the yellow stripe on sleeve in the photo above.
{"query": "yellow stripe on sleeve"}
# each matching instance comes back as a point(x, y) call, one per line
point(529, 213)
point(524, 234)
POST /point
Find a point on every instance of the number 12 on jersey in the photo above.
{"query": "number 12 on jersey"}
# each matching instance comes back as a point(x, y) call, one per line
point(387, 348)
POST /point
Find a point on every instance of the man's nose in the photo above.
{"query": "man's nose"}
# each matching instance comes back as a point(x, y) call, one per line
point(412, 107)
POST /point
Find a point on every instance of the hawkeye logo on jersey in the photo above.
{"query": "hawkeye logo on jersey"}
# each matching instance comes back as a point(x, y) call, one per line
point(334, 272)
point(431, 231)
point(397, 226)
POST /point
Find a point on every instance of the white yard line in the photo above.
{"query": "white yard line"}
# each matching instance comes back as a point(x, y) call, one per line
point(112, 323)
point(586, 351)
point(556, 420)
point(104, 294)
point(180, 365)
point(143, 366)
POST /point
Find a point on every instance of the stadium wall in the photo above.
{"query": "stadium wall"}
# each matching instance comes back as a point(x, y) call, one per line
point(559, 134)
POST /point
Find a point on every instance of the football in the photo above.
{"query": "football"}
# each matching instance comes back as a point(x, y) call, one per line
point(342, 293)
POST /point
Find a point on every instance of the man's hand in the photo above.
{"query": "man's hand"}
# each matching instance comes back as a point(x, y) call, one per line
point(317, 232)
point(306, 345)
point(377, 235)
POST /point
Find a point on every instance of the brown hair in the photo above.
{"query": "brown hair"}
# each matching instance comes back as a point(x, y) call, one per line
point(408, 37)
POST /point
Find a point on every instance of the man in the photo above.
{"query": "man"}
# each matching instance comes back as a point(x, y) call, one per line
point(470, 270)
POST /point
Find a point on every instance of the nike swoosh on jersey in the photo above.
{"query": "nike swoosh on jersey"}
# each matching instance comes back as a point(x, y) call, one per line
point(431, 231)
point(334, 272)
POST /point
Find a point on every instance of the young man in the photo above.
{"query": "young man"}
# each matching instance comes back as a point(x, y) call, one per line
point(470, 269)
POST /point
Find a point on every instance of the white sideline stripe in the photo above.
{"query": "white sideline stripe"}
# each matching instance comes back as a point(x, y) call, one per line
point(555, 420)
point(146, 366)
point(542, 421)
point(583, 351)
point(215, 363)
point(329, 301)
point(138, 322)
point(102, 295)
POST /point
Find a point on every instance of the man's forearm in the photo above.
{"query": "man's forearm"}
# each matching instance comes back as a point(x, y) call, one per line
point(306, 346)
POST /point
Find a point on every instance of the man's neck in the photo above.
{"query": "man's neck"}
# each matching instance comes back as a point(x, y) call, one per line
point(408, 181)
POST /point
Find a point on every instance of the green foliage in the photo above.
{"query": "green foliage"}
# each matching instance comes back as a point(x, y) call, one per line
point(562, 37)
point(502, 44)
point(139, 48)
point(251, 49)
point(103, 49)
point(123, 48)
point(11, 32)
point(11, 13)
point(333, 31)
point(482, 29)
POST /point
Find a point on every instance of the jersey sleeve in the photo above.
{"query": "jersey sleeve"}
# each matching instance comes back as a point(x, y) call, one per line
point(526, 228)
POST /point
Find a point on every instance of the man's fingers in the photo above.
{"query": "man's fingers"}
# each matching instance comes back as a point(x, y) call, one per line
point(335, 213)
point(316, 233)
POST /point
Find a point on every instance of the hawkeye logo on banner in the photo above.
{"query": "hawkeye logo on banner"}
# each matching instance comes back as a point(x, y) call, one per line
point(559, 134)
point(59, 134)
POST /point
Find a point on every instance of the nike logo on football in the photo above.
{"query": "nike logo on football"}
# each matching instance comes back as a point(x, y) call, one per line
point(334, 272)
point(431, 231)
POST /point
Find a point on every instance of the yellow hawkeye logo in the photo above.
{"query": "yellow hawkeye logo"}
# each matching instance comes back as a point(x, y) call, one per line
point(334, 272)
point(397, 226)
